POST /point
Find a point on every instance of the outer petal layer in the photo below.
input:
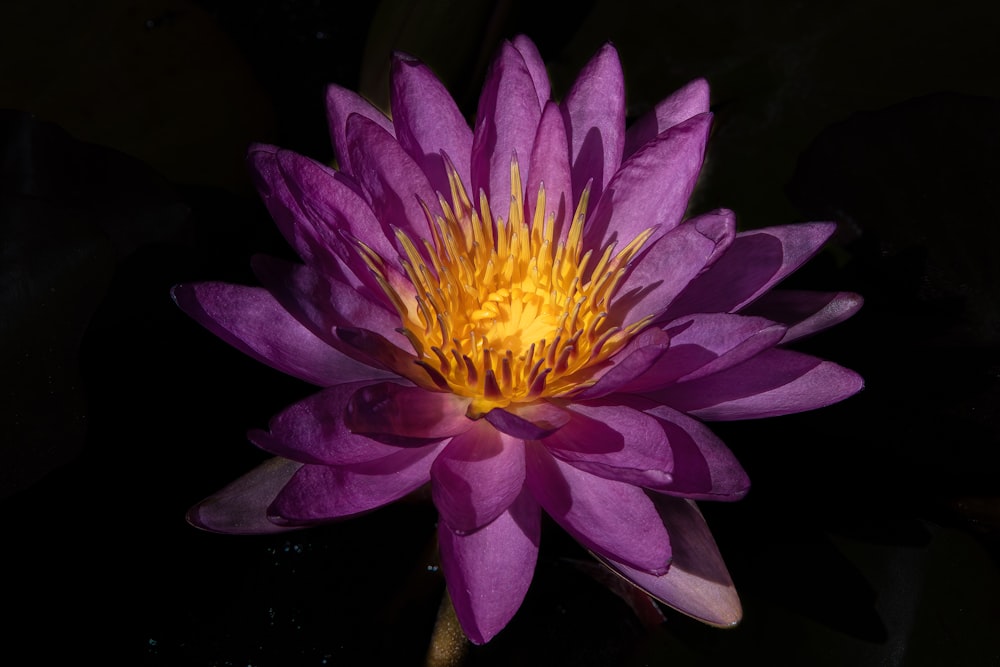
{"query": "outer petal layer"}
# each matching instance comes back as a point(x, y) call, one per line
point(241, 507)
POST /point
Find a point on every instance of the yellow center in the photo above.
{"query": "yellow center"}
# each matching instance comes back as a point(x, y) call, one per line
point(502, 314)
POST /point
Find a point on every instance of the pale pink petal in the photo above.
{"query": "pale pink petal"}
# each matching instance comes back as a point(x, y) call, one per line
point(685, 103)
point(550, 169)
point(697, 583)
point(594, 111)
point(614, 519)
point(323, 493)
point(805, 313)
point(340, 105)
point(427, 121)
point(251, 320)
point(536, 67)
point(477, 477)
point(241, 507)
point(489, 571)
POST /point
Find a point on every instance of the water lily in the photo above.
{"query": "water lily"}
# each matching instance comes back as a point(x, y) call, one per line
point(518, 314)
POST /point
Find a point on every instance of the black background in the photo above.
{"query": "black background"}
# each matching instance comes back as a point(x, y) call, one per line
point(872, 533)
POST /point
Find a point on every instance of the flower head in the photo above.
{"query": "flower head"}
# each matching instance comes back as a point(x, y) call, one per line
point(518, 314)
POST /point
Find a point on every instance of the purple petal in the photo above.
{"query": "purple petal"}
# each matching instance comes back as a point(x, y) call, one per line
point(252, 321)
point(670, 264)
point(652, 187)
point(615, 442)
point(776, 382)
point(477, 477)
point(528, 421)
point(697, 583)
point(394, 182)
point(614, 519)
point(685, 103)
point(315, 430)
point(536, 68)
point(806, 313)
point(636, 359)
point(428, 121)
point(506, 123)
point(321, 493)
point(378, 351)
point(550, 169)
point(594, 110)
point(753, 264)
point(703, 344)
point(240, 508)
point(340, 105)
point(388, 409)
point(704, 468)
point(489, 571)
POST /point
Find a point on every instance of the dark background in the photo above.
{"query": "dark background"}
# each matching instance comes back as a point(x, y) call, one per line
point(872, 533)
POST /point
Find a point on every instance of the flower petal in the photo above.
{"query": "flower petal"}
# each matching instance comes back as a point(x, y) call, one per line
point(697, 583)
point(550, 169)
point(322, 493)
point(528, 421)
point(652, 187)
point(340, 105)
point(427, 121)
point(377, 350)
point(536, 68)
point(251, 320)
point(685, 103)
point(477, 477)
point(594, 110)
point(489, 571)
point(806, 313)
point(615, 442)
point(506, 124)
point(240, 508)
point(636, 360)
point(391, 410)
point(613, 518)
point(754, 263)
point(775, 382)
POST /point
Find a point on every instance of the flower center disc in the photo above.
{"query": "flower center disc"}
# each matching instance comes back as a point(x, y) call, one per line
point(503, 313)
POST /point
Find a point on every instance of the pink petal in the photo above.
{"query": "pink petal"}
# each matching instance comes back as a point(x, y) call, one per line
point(240, 508)
point(390, 410)
point(594, 110)
point(633, 361)
point(670, 264)
point(806, 313)
point(340, 105)
point(652, 187)
point(615, 442)
point(536, 68)
point(550, 169)
point(613, 518)
point(489, 571)
point(775, 382)
point(477, 477)
point(697, 583)
point(428, 121)
point(322, 493)
point(528, 421)
point(506, 124)
point(685, 103)
point(703, 344)
point(754, 263)
point(252, 321)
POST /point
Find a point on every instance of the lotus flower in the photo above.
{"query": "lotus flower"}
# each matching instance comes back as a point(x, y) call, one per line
point(518, 314)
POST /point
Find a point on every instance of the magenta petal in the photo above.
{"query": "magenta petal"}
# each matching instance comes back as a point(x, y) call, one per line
point(635, 360)
point(536, 68)
point(477, 477)
point(613, 518)
point(340, 105)
point(704, 468)
point(323, 493)
point(376, 349)
point(775, 382)
point(697, 583)
point(389, 409)
point(528, 421)
point(314, 430)
point(670, 264)
point(685, 103)
point(252, 321)
point(652, 187)
point(489, 571)
point(594, 110)
point(427, 121)
point(506, 123)
point(753, 264)
point(550, 169)
point(805, 312)
point(615, 442)
point(241, 507)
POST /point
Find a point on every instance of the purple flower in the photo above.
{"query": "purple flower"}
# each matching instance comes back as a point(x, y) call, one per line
point(518, 314)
